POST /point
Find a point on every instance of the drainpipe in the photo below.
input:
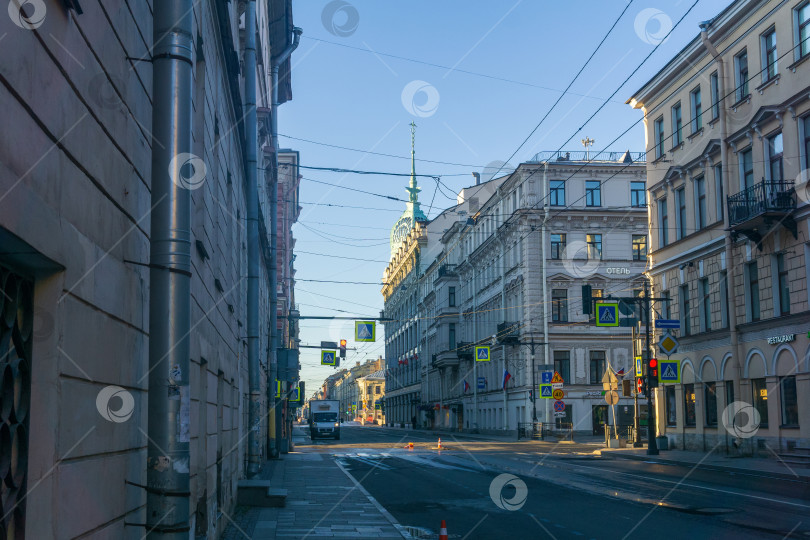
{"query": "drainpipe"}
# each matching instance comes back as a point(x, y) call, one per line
point(274, 426)
point(252, 199)
point(545, 287)
point(732, 298)
point(167, 457)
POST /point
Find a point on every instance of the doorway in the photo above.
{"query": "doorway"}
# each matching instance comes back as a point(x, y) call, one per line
point(599, 414)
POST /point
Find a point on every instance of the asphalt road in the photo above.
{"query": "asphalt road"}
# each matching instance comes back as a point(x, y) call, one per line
point(569, 493)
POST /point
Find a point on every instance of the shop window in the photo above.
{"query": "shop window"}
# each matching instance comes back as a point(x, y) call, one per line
point(710, 404)
point(760, 396)
point(689, 405)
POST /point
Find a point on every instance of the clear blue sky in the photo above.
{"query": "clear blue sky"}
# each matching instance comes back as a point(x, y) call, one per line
point(354, 98)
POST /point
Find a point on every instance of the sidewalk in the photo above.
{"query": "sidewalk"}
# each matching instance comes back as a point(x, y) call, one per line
point(322, 502)
point(716, 461)
point(512, 437)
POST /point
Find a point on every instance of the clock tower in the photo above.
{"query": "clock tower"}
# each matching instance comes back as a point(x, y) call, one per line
point(413, 212)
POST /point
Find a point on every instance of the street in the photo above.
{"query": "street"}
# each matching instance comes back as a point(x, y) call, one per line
point(569, 492)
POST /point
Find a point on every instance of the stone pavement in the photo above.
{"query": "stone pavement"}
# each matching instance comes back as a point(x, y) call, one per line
point(322, 502)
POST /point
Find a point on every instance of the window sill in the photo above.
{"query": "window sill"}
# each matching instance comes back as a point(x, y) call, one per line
point(695, 133)
point(789, 426)
point(743, 100)
point(676, 147)
point(773, 80)
point(714, 120)
point(661, 158)
point(792, 67)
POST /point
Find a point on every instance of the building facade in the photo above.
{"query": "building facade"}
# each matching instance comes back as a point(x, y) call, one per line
point(728, 135)
point(76, 181)
point(485, 285)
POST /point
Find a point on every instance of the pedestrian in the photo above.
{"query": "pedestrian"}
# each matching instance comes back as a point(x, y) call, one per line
point(413, 422)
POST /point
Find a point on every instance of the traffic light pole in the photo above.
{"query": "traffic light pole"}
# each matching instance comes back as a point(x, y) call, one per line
point(652, 445)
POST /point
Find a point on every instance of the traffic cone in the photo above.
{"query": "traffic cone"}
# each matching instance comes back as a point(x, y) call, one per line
point(410, 445)
point(440, 443)
point(443, 531)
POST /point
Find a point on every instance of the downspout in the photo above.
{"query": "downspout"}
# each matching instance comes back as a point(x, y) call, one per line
point(167, 461)
point(732, 298)
point(731, 316)
point(274, 425)
point(545, 289)
point(503, 345)
point(252, 200)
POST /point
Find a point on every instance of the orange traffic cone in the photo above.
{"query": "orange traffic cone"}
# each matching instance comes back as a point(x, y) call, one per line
point(440, 443)
point(443, 531)
point(410, 445)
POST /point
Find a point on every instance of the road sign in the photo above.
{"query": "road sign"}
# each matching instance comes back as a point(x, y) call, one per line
point(612, 397)
point(328, 344)
point(328, 358)
point(669, 371)
point(557, 393)
point(667, 323)
point(559, 414)
point(545, 391)
point(559, 406)
point(668, 344)
point(482, 353)
point(482, 383)
point(546, 376)
point(557, 378)
point(639, 364)
point(365, 331)
point(640, 385)
point(607, 314)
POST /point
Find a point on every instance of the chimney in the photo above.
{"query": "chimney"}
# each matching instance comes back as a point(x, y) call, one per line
point(477, 178)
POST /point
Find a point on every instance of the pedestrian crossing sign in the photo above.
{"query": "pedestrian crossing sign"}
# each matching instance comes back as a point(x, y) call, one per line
point(607, 314)
point(639, 363)
point(365, 331)
point(669, 371)
point(482, 354)
point(328, 358)
point(545, 391)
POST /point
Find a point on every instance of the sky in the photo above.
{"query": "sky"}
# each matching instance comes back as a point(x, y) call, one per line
point(476, 77)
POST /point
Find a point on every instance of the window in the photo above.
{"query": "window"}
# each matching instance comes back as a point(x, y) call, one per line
point(596, 294)
point(790, 405)
point(659, 138)
point(801, 26)
point(806, 126)
point(710, 401)
point(760, 396)
point(723, 299)
point(769, 56)
point(557, 246)
point(718, 189)
point(639, 247)
point(700, 202)
point(638, 195)
point(753, 291)
point(715, 89)
point(686, 308)
point(559, 305)
point(376, 389)
point(706, 304)
point(666, 305)
point(594, 242)
point(663, 220)
point(593, 193)
point(677, 125)
point(775, 150)
point(451, 335)
point(557, 193)
point(747, 168)
point(689, 405)
point(597, 367)
point(562, 364)
point(782, 283)
point(672, 413)
point(729, 393)
point(741, 75)
point(680, 200)
point(697, 110)
point(451, 296)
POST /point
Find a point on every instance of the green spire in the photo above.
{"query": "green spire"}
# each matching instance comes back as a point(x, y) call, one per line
point(413, 189)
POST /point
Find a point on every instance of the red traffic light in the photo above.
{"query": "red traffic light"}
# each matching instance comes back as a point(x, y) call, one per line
point(653, 362)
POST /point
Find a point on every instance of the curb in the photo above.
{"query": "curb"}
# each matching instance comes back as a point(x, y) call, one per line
point(373, 501)
point(710, 467)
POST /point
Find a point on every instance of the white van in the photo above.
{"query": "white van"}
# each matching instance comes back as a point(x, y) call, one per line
point(324, 419)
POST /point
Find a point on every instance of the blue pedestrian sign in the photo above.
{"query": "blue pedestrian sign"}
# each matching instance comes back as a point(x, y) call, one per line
point(482, 354)
point(482, 383)
point(364, 331)
point(669, 371)
point(546, 376)
point(545, 391)
point(607, 314)
point(328, 358)
point(667, 323)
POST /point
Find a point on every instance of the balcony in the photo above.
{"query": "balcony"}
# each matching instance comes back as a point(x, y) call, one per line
point(753, 211)
point(508, 332)
point(465, 350)
point(446, 271)
point(447, 357)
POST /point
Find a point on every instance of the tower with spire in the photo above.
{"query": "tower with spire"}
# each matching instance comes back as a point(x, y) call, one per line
point(413, 211)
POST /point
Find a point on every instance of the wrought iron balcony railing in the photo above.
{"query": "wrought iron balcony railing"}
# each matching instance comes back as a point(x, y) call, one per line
point(761, 199)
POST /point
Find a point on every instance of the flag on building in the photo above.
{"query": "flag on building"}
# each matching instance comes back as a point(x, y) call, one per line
point(620, 372)
point(506, 377)
point(466, 386)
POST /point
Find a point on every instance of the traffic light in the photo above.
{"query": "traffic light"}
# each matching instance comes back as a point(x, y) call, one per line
point(587, 300)
point(343, 348)
point(652, 373)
